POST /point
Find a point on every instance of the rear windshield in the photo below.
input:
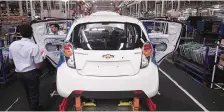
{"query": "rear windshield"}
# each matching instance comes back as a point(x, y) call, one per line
point(107, 36)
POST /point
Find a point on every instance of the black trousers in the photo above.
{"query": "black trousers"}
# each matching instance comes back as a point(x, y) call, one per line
point(30, 81)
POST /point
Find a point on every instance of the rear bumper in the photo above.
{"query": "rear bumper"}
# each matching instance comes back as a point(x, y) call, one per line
point(68, 80)
point(108, 94)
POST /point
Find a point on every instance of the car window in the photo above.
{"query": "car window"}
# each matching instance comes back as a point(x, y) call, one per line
point(107, 36)
point(58, 28)
point(156, 27)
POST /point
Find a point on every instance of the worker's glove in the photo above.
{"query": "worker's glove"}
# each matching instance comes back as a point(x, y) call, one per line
point(43, 54)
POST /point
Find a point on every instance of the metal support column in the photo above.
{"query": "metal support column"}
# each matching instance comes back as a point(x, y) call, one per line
point(155, 9)
point(139, 9)
point(31, 10)
point(7, 8)
point(41, 10)
point(136, 9)
point(146, 6)
point(68, 9)
point(61, 7)
point(49, 8)
point(20, 7)
point(178, 5)
point(172, 4)
point(162, 11)
point(27, 12)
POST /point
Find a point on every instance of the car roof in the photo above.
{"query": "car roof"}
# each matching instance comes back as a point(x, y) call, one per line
point(107, 17)
point(104, 13)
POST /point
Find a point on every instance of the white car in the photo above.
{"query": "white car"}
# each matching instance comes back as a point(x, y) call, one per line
point(113, 53)
point(112, 56)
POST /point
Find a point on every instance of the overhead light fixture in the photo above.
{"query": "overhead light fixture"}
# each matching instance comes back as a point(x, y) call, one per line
point(216, 9)
point(111, 3)
point(216, 6)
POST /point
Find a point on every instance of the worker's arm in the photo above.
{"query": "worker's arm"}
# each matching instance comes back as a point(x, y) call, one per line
point(38, 65)
point(37, 57)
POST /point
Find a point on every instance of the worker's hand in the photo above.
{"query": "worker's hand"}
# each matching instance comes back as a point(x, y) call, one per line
point(43, 54)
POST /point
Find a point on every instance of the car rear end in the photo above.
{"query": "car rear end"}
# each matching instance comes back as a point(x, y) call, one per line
point(108, 60)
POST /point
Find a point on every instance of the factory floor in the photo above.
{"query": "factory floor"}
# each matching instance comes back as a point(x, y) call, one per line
point(177, 92)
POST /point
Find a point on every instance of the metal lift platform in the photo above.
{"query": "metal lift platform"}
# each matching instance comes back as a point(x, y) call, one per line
point(79, 103)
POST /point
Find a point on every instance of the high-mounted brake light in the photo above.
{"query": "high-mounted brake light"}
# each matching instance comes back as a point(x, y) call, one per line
point(67, 50)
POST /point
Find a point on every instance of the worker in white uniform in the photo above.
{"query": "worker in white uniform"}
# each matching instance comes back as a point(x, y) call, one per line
point(27, 59)
point(54, 29)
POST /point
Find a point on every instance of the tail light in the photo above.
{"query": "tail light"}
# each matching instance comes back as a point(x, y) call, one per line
point(147, 52)
point(68, 53)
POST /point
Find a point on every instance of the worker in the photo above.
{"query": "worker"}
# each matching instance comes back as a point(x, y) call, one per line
point(54, 29)
point(27, 59)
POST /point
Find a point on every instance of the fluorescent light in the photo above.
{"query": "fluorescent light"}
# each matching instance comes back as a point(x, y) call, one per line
point(216, 9)
point(216, 6)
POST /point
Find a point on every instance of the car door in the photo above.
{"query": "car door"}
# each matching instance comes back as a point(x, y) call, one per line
point(164, 35)
point(47, 41)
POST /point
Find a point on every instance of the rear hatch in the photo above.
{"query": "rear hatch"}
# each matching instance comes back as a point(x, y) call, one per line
point(108, 63)
point(48, 41)
point(107, 49)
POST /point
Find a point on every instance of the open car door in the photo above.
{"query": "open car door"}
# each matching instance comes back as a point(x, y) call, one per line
point(164, 35)
point(49, 42)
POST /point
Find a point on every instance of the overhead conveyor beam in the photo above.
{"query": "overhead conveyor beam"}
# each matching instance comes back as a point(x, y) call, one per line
point(134, 2)
point(123, 3)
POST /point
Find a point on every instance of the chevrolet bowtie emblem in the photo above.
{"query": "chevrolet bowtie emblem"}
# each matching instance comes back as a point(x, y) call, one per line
point(108, 56)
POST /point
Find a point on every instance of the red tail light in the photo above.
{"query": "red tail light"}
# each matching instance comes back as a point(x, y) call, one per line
point(68, 53)
point(147, 52)
point(67, 50)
